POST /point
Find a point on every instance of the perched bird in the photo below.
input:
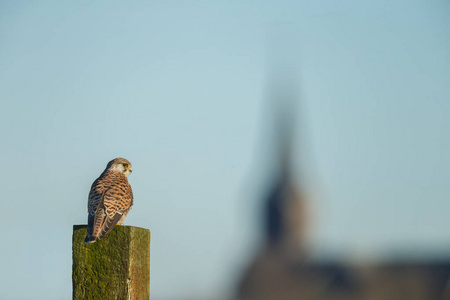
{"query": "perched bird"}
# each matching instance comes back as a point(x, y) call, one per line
point(110, 199)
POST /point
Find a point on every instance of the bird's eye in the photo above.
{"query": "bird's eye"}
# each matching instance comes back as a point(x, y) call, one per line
point(125, 165)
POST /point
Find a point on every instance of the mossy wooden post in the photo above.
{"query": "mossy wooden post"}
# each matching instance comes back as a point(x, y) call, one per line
point(115, 267)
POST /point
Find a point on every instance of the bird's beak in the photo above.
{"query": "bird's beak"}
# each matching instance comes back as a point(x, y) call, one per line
point(131, 170)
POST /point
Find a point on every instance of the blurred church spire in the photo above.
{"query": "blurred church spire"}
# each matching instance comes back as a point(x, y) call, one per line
point(284, 214)
point(273, 272)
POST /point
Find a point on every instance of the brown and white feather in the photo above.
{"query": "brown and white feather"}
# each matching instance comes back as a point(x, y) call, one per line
point(110, 199)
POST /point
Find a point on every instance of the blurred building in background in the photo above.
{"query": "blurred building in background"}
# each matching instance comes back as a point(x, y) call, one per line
point(282, 269)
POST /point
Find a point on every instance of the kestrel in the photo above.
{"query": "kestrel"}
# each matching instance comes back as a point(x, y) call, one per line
point(110, 199)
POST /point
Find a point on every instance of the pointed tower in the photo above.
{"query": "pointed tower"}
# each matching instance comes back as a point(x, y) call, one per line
point(273, 272)
point(284, 207)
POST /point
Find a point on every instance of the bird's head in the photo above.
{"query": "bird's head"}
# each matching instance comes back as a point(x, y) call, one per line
point(120, 165)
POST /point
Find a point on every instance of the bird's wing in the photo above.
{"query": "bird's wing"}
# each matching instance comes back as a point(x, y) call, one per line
point(98, 220)
point(94, 201)
point(116, 201)
point(108, 224)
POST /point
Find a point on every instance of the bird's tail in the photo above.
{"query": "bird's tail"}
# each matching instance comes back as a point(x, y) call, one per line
point(90, 228)
point(89, 239)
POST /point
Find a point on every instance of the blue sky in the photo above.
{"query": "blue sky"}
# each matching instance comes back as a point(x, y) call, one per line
point(179, 89)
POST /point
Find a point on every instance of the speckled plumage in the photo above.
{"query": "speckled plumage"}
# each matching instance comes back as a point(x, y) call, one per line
point(110, 199)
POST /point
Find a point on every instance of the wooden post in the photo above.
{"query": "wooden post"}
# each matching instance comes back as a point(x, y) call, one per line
point(115, 267)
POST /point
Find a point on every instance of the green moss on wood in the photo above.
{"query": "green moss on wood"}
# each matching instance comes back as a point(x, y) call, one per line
point(115, 267)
